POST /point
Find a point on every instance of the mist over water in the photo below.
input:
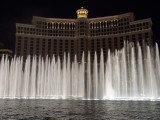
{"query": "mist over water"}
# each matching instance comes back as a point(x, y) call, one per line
point(130, 73)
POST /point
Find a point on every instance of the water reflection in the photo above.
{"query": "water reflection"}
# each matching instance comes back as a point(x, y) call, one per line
point(75, 109)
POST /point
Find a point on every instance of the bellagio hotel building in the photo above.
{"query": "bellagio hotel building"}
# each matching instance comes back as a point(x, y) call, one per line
point(54, 36)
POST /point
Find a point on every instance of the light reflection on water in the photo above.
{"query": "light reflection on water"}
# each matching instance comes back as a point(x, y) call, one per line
point(78, 109)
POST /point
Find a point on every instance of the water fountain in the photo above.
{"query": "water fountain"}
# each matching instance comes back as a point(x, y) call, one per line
point(125, 75)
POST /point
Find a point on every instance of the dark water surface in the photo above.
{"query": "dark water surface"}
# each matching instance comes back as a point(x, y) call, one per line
point(78, 110)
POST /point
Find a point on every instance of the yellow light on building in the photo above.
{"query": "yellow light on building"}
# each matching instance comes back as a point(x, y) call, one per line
point(82, 13)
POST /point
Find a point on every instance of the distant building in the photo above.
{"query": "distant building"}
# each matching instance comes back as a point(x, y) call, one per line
point(54, 36)
point(6, 52)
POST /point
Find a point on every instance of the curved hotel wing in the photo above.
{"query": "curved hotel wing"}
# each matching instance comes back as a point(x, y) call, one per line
point(54, 36)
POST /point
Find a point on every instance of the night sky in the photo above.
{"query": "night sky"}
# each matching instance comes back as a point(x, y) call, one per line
point(12, 12)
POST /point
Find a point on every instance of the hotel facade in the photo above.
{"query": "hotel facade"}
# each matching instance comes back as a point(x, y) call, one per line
point(54, 36)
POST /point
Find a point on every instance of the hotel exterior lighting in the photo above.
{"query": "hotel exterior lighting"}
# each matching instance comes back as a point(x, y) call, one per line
point(82, 13)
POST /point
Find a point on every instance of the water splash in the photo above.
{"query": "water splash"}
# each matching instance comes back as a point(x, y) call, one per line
point(128, 73)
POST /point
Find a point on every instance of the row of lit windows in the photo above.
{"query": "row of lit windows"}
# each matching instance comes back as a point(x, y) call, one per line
point(52, 25)
point(140, 26)
point(49, 32)
point(82, 30)
point(26, 30)
point(29, 42)
point(109, 31)
point(116, 30)
point(59, 25)
point(114, 42)
point(63, 45)
point(106, 24)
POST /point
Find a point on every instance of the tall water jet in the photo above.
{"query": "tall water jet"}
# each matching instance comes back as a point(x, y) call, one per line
point(68, 76)
point(53, 81)
point(59, 92)
point(26, 79)
point(89, 84)
point(75, 77)
point(140, 72)
point(116, 76)
point(82, 78)
point(95, 77)
point(64, 80)
point(45, 77)
point(101, 77)
point(151, 75)
point(123, 73)
point(157, 66)
point(33, 78)
point(133, 81)
point(109, 88)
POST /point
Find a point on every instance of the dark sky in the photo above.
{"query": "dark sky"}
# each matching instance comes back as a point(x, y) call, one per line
point(12, 12)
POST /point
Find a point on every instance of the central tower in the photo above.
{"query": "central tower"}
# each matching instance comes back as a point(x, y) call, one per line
point(82, 13)
point(82, 32)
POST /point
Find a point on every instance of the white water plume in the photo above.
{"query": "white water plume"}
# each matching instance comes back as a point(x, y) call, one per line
point(128, 73)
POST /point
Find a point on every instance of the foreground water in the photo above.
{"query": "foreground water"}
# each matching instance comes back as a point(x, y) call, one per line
point(78, 109)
